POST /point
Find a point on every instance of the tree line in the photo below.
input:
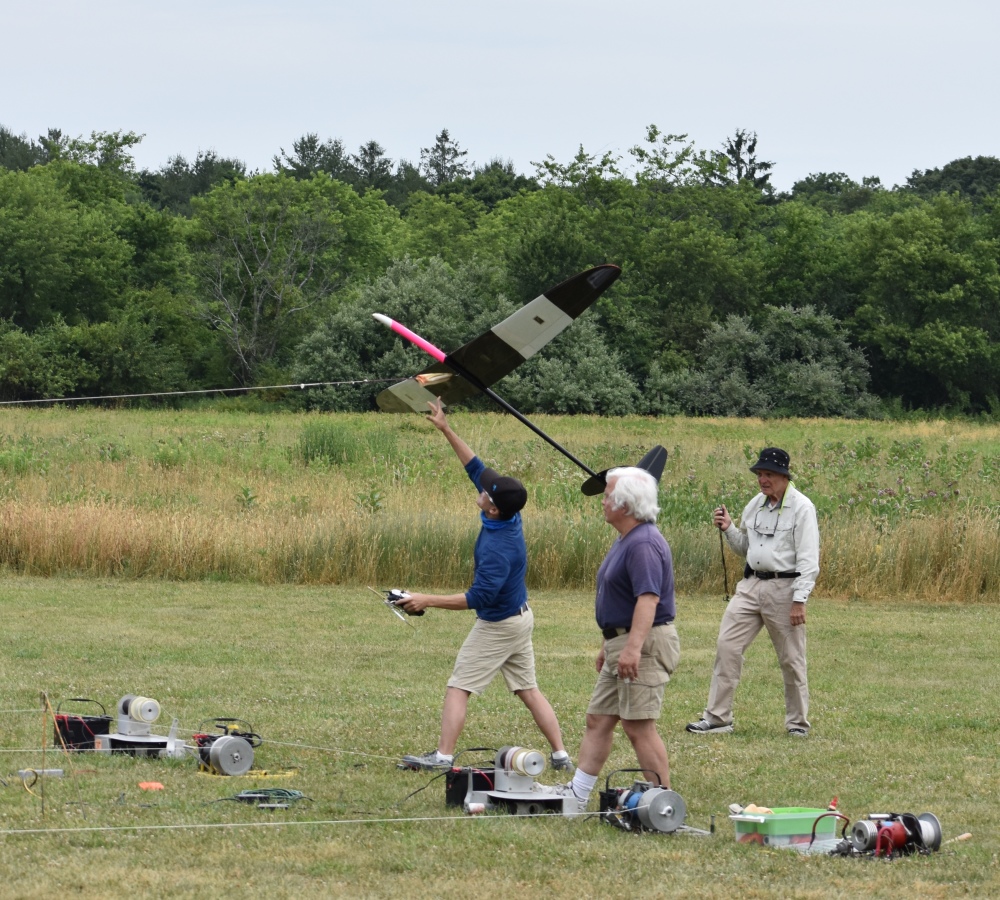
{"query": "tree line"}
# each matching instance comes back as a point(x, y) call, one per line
point(836, 298)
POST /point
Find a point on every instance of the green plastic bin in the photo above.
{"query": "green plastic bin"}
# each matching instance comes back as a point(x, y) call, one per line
point(785, 825)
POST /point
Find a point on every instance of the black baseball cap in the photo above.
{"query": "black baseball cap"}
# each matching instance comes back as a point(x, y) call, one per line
point(508, 494)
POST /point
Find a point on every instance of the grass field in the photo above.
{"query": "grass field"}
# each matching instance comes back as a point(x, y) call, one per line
point(215, 560)
point(903, 708)
point(907, 510)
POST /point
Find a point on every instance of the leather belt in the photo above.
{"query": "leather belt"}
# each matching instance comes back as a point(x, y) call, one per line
point(610, 633)
point(765, 576)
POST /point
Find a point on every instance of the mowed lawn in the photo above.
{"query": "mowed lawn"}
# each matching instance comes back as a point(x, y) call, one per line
point(903, 709)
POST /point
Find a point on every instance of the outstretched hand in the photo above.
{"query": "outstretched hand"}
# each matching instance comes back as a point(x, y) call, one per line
point(437, 417)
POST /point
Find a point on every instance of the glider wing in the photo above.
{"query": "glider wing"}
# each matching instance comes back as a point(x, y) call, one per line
point(499, 351)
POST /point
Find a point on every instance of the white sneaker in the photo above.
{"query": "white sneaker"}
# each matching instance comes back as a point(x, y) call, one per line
point(575, 804)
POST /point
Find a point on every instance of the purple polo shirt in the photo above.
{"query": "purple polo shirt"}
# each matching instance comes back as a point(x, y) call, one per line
point(639, 563)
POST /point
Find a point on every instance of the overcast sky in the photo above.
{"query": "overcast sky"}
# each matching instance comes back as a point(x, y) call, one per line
point(865, 87)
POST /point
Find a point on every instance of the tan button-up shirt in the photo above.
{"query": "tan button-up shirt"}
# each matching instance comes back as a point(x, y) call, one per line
point(780, 539)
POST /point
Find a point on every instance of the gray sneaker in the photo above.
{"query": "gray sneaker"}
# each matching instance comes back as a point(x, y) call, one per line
point(703, 726)
point(430, 761)
point(562, 764)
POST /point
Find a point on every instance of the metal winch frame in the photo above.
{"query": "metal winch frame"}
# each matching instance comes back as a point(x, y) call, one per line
point(135, 716)
point(511, 786)
point(644, 806)
point(892, 834)
point(231, 751)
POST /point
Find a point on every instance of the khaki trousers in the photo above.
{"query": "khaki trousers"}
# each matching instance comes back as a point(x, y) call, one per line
point(758, 604)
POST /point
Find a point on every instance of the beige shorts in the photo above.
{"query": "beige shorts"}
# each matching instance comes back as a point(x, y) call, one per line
point(493, 647)
point(642, 698)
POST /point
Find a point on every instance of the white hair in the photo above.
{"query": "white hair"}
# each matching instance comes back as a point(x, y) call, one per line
point(635, 492)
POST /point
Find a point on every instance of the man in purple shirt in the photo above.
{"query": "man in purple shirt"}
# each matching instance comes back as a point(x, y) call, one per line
point(635, 612)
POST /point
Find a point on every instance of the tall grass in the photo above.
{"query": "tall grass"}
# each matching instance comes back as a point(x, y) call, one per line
point(909, 510)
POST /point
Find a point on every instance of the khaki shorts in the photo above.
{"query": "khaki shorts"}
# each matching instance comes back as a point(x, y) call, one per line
point(493, 647)
point(642, 698)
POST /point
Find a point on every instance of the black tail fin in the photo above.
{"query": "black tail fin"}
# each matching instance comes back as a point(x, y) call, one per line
point(653, 462)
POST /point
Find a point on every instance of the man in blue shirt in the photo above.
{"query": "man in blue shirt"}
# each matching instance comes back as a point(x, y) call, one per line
point(500, 640)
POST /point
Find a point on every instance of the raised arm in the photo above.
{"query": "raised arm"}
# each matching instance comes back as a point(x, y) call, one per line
point(440, 422)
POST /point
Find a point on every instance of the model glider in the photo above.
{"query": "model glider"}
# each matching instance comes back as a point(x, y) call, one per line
point(499, 351)
point(472, 368)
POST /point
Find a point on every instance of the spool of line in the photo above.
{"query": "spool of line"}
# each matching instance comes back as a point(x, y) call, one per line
point(144, 709)
point(526, 762)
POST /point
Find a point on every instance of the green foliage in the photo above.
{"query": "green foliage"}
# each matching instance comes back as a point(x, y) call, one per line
point(443, 162)
point(327, 441)
point(152, 344)
point(541, 238)
point(738, 162)
point(63, 256)
point(577, 373)
point(693, 257)
point(497, 180)
point(310, 155)
point(45, 363)
point(372, 169)
point(18, 152)
point(835, 192)
point(107, 151)
point(671, 161)
point(170, 454)
point(369, 501)
point(440, 225)
point(407, 181)
point(18, 456)
point(271, 248)
point(795, 362)
point(447, 306)
point(928, 281)
point(337, 443)
point(93, 252)
point(973, 179)
point(173, 185)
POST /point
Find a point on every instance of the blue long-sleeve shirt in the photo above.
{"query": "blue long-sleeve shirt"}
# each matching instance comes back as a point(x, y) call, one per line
point(501, 562)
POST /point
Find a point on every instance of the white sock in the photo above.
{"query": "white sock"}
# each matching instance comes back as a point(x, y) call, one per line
point(583, 784)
